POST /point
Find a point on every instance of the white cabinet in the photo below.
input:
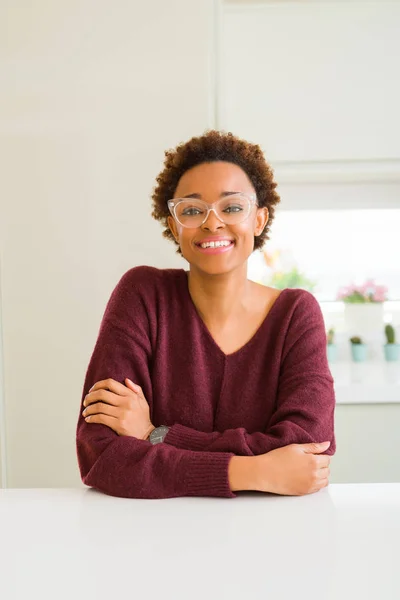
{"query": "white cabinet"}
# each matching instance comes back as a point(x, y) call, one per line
point(314, 82)
point(368, 444)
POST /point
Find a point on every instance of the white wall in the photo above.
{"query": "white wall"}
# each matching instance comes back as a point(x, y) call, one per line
point(92, 94)
point(3, 470)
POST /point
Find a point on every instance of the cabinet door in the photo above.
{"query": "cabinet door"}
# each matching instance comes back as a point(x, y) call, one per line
point(368, 444)
point(312, 81)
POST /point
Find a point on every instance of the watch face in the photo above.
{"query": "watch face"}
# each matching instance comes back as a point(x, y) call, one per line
point(158, 434)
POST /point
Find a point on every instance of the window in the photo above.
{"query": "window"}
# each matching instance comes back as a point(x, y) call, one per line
point(328, 249)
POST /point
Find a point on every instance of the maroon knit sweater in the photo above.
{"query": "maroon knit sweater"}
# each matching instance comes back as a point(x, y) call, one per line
point(274, 391)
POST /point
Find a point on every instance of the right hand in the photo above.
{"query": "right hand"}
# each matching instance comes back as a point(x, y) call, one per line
point(294, 470)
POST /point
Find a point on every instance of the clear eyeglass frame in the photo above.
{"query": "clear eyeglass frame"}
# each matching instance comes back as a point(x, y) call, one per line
point(173, 203)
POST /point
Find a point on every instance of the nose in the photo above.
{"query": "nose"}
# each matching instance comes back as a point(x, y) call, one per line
point(212, 223)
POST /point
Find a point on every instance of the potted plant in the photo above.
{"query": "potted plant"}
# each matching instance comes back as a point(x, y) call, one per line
point(391, 349)
point(358, 349)
point(331, 347)
point(291, 279)
point(364, 314)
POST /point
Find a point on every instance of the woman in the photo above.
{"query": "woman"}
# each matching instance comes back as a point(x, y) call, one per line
point(201, 382)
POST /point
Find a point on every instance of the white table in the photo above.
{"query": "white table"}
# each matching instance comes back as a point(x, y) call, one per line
point(341, 543)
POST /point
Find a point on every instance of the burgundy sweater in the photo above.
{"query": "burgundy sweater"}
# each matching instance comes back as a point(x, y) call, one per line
point(274, 391)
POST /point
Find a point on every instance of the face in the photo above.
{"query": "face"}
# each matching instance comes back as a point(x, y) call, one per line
point(210, 181)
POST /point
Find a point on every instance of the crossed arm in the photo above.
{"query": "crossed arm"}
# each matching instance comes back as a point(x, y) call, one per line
point(120, 461)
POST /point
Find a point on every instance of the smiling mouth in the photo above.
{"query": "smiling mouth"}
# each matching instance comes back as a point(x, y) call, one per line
point(221, 244)
point(215, 249)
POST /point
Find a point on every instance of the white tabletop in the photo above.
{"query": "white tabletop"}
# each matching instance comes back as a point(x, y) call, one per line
point(340, 543)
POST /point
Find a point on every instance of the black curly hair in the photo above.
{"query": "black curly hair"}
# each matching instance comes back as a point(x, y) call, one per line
point(215, 146)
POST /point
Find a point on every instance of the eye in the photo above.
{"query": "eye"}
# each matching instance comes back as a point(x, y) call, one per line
point(233, 208)
point(192, 211)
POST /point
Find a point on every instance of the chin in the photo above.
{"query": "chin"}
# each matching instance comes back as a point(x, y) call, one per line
point(213, 268)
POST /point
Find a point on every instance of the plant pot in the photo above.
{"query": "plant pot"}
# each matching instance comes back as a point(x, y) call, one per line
point(331, 351)
point(359, 352)
point(366, 321)
point(392, 352)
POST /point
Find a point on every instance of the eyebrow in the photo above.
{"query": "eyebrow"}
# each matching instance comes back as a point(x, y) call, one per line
point(222, 194)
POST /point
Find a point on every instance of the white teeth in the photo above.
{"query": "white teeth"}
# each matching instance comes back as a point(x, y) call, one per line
point(215, 244)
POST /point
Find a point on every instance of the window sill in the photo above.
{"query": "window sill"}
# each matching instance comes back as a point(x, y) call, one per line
point(371, 382)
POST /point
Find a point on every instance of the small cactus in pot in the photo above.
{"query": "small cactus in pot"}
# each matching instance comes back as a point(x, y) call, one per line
point(391, 349)
point(390, 334)
point(358, 349)
point(331, 347)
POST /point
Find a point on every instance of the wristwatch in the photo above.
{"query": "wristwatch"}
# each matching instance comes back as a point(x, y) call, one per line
point(158, 434)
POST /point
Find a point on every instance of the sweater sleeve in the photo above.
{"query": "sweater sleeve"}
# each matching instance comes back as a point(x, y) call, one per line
point(126, 466)
point(305, 400)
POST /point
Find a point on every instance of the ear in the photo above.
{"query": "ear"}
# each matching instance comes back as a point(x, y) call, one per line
point(173, 228)
point(261, 220)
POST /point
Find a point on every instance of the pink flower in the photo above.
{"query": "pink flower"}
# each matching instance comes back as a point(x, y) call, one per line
point(367, 288)
point(380, 293)
point(345, 291)
point(367, 292)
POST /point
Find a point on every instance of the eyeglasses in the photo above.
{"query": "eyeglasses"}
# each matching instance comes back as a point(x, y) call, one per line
point(193, 212)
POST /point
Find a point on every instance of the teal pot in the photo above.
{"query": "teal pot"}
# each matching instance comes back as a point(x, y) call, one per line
point(331, 351)
point(392, 352)
point(359, 352)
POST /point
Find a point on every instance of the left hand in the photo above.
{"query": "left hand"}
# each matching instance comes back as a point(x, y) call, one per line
point(122, 408)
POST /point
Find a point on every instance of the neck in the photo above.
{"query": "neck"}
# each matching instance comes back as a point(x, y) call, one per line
point(220, 299)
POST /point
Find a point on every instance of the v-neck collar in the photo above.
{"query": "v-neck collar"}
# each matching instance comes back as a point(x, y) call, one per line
point(185, 279)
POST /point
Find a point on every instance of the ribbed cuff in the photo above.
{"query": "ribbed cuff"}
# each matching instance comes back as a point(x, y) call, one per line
point(185, 438)
point(206, 474)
